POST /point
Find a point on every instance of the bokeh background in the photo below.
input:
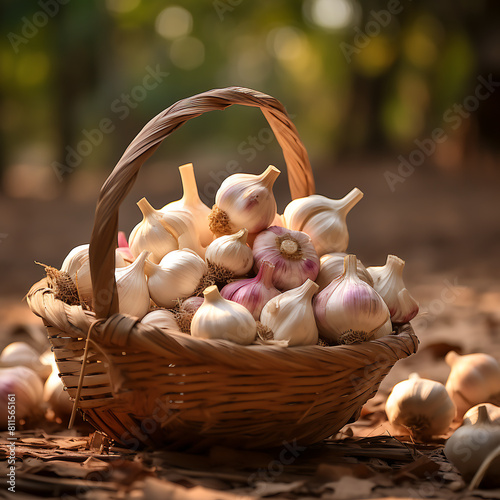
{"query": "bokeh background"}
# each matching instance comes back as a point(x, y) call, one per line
point(398, 98)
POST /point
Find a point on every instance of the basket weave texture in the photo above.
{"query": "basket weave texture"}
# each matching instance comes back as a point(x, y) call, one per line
point(145, 387)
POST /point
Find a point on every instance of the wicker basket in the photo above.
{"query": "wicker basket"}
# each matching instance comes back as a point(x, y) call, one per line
point(144, 387)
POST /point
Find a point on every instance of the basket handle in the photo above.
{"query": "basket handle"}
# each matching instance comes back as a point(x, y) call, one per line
point(122, 178)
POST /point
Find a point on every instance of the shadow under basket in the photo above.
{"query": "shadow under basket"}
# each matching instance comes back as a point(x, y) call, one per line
point(147, 387)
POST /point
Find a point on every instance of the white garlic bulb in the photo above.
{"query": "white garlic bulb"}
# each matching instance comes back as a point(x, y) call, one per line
point(247, 201)
point(218, 318)
point(420, 405)
point(473, 379)
point(349, 310)
point(153, 234)
point(231, 252)
point(290, 315)
point(323, 219)
point(191, 202)
point(472, 415)
point(162, 319)
point(132, 287)
point(292, 254)
point(332, 266)
point(176, 277)
point(75, 258)
point(388, 281)
point(23, 354)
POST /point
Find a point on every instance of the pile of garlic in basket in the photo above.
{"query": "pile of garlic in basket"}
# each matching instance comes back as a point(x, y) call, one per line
point(242, 272)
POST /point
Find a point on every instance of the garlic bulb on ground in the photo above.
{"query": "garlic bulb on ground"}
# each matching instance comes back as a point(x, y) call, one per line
point(292, 254)
point(153, 234)
point(388, 281)
point(472, 415)
point(332, 266)
point(323, 219)
point(420, 405)
point(231, 252)
point(244, 200)
point(23, 354)
point(218, 318)
point(253, 293)
point(176, 277)
point(349, 310)
point(290, 315)
point(191, 201)
point(473, 379)
point(470, 445)
point(162, 319)
point(132, 287)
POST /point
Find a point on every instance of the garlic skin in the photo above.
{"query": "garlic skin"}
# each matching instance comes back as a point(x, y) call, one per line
point(292, 254)
point(176, 277)
point(420, 405)
point(388, 281)
point(191, 202)
point(162, 319)
point(332, 266)
point(290, 315)
point(473, 379)
point(472, 415)
point(132, 287)
point(75, 258)
point(323, 219)
point(23, 354)
point(153, 234)
point(231, 252)
point(253, 293)
point(349, 310)
point(383, 331)
point(248, 200)
point(218, 318)
point(469, 446)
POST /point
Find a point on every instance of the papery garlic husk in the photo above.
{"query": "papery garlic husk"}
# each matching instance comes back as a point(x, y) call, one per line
point(472, 415)
point(332, 266)
point(470, 445)
point(290, 315)
point(323, 219)
point(162, 319)
point(27, 388)
point(218, 318)
point(23, 354)
point(388, 281)
point(253, 293)
point(176, 277)
point(231, 252)
point(186, 311)
point(55, 395)
point(292, 254)
point(191, 202)
point(132, 287)
point(245, 201)
point(420, 405)
point(349, 310)
point(153, 234)
point(473, 379)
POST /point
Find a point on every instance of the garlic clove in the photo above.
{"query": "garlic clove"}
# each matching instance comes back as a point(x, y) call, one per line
point(162, 319)
point(420, 405)
point(332, 266)
point(245, 201)
point(292, 254)
point(349, 310)
point(290, 315)
point(218, 318)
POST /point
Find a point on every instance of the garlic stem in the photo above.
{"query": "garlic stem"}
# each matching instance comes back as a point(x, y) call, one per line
point(395, 264)
point(351, 266)
point(211, 294)
point(242, 235)
point(145, 207)
point(148, 211)
point(349, 200)
point(269, 176)
point(189, 186)
point(288, 247)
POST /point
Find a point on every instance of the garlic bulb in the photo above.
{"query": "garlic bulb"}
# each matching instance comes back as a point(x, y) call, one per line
point(186, 311)
point(420, 405)
point(162, 319)
point(22, 386)
point(472, 415)
point(323, 219)
point(245, 200)
point(176, 277)
point(75, 258)
point(470, 445)
point(290, 315)
point(23, 354)
point(383, 331)
point(332, 266)
point(231, 252)
point(253, 293)
point(218, 318)
point(473, 379)
point(153, 234)
point(55, 395)
point(388, 281)
point(191, 202)
point(349, 310)
point(292, 254)
point(132, 287)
